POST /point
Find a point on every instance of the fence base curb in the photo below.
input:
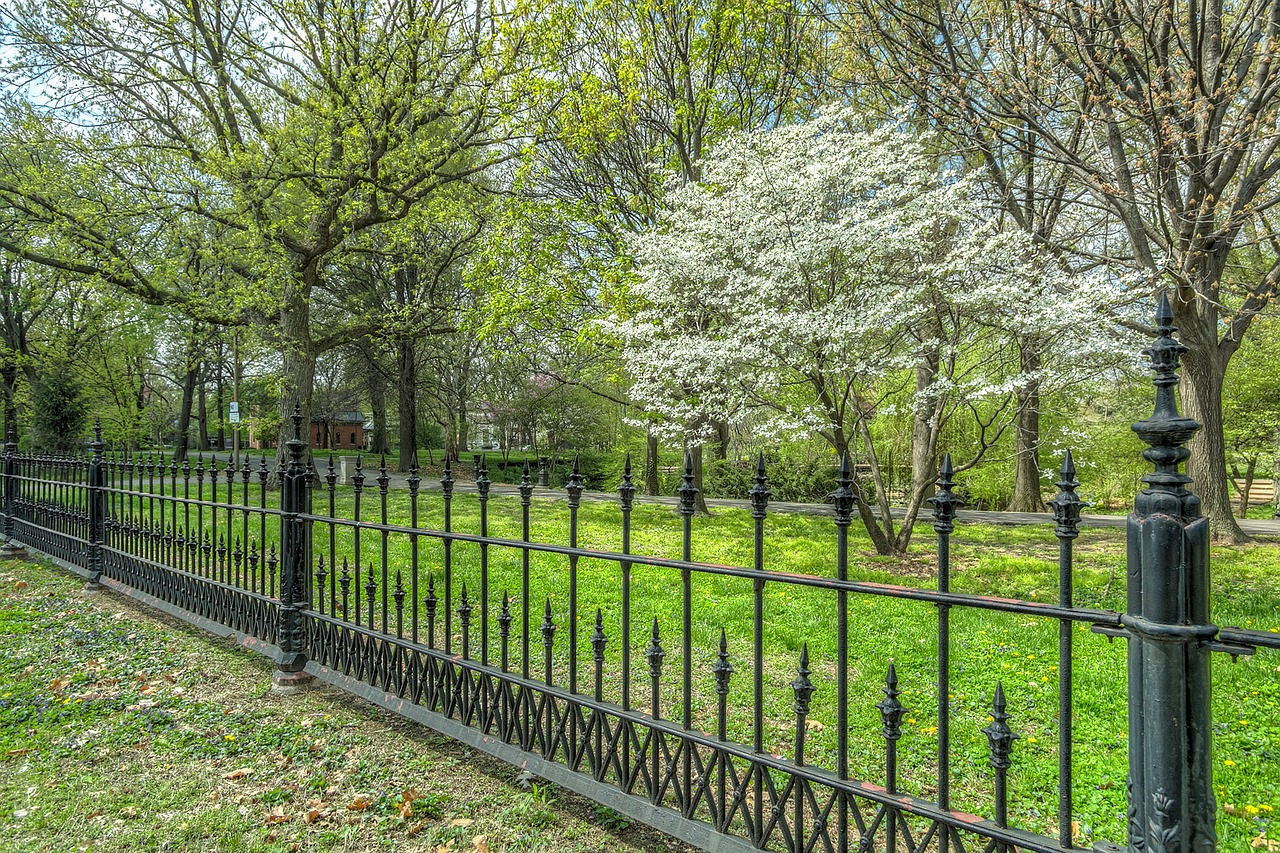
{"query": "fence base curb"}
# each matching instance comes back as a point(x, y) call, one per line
point(662, 818)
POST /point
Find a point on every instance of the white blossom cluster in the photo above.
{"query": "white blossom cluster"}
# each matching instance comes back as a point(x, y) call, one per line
point(814, 262)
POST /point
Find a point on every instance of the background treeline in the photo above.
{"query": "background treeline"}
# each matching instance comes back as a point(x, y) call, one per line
point(488, 226)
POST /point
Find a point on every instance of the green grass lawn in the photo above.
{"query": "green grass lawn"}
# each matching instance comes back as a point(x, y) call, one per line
point(1019, 651)
point(121, 732)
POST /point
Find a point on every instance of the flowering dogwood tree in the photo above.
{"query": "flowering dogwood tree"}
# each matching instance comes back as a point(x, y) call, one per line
point(817, 265)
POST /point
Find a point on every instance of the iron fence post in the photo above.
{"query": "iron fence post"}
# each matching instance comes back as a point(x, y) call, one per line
point(97, 508)
point(1171, 803)
point(291, 658)
point(10, 465)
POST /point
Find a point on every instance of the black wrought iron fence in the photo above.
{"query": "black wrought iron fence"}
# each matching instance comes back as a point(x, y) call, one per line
point(711, 699)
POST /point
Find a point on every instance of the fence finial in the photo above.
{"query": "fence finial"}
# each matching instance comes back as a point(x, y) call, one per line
point(687, 491)
point(721, 667)
point(760, 493)
point(845, 495)
point(574, 485)
point(945, 502)
point(1066, 504)
point(1166, 432)
point(627, 488)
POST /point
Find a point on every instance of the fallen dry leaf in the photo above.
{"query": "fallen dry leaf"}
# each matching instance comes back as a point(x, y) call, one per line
point(480, 844)
point(238, 773)
point(311, 816)
point(461, 821)
point(360, 803)
point(1231, 809)
point(814, 726)
point(406, 809)
point(277, 815)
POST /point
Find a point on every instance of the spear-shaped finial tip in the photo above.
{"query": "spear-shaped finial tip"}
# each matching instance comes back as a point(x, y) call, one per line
point(525, 469)
point(1068, 466)
point(688, 463)
point(760, 464)
point(724, 641)
point(577, 468)
point(1164, 311)
point(626, 465)
point(946, 470)
point(844, 466)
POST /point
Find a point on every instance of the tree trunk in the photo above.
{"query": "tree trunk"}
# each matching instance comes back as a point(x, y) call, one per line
point(202, 415)
point(219, 391)
point(184, 413)
point(1026, 454)
point(700, 500)
point(407, 403)
point(651, 464)
point(1203, 373)
point(1243, 507)
point(924, 465)
point(378, 402)
point(722, 440)
point(298, 361)
point(882, 531)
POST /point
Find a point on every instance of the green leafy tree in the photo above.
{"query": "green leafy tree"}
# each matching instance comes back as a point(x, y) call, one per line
point(59, 410)
point(252, 149)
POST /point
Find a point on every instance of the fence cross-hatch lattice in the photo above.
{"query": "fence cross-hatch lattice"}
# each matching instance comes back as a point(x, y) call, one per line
point(612, 674)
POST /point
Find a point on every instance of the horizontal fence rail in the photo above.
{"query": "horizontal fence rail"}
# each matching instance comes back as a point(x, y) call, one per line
point(619, 669)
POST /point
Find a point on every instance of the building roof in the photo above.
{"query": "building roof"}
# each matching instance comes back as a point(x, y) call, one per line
point(343, 418)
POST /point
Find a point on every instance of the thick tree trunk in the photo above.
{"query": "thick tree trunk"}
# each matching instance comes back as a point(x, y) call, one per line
point(298, 361)
point(1203, 373)
point(407, 403)
point(651, 464)
point(722, 440)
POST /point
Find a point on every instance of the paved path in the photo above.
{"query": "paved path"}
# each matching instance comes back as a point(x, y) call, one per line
point(1252, 526)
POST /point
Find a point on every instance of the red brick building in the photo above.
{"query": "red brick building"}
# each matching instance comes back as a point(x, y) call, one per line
point(338, 431)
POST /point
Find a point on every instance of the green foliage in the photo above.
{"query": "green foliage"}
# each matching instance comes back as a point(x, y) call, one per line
point(59, 410)
point(1251, 394)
